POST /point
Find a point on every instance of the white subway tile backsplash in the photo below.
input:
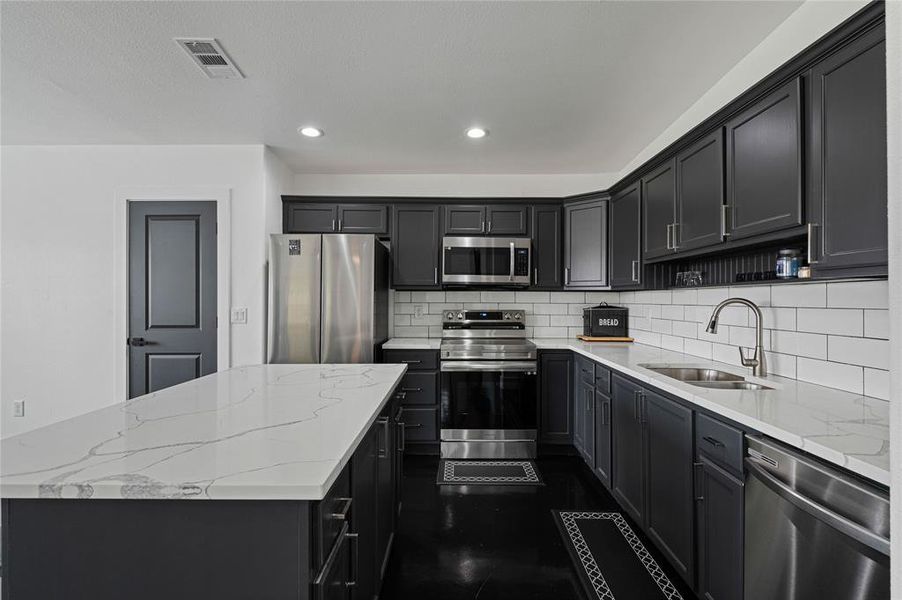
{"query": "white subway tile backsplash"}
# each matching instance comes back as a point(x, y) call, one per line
point(833, 334)
point(498, 297)
point(830, 374)
point(533, 296)
point(549, 309)
point(825, 320)
point(876, 324)
point(876, 383)
point(858, 294)
point(697, 348)
point(811, 295)
point(858, 351)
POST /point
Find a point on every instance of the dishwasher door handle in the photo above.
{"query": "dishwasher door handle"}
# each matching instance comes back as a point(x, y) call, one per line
point(821, 513)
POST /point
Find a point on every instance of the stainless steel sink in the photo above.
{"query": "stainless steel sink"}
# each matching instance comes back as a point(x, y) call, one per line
point(707, 378)
point(691, 375)
point(730, 385)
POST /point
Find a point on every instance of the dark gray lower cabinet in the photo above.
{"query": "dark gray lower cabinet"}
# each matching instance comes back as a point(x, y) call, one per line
point(848, 176)
point(668, 450)
point(628, 448)
point(555, 394)
point(419, 394)
point(603, 438)
point(720, 500)
point(587, 422)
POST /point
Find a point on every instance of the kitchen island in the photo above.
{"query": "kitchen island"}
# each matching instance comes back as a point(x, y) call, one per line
point(98, 505)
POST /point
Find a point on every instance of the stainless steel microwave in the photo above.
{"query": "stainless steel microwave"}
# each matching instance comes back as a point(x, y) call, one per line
point(486, 261)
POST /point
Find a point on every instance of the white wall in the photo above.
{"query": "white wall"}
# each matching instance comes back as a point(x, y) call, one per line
point(449, 185)
point(811, 21)
point(894, 146)
point(60, 254)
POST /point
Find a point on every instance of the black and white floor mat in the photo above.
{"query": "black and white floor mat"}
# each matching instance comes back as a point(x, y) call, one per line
point(611, 561)
point(488, 472)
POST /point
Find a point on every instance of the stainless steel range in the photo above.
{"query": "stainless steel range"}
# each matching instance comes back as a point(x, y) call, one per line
point(488, 369)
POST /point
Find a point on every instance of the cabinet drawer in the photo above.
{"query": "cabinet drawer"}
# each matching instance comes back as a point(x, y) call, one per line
point(719, 442)
point(585, 370)
point(602, 380)
point(416, 360)
point(420, 424)
point(419, 388)
point(332, 513)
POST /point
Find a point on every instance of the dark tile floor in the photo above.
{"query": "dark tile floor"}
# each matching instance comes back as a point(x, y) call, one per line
point(489, 543)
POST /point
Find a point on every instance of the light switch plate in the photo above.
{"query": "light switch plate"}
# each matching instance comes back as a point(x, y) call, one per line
point(239, 316)
point(19, 408)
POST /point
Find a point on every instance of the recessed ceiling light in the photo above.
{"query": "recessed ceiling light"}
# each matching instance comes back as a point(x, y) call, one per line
point(476, 133)
point(310, 131)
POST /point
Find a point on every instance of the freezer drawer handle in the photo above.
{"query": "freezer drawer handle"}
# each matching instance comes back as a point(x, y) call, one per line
point(821, 513)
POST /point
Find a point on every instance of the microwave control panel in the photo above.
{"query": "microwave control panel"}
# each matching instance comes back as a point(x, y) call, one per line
point(521, 262)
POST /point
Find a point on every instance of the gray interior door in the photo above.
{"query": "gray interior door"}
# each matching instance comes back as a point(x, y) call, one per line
point(172, 293)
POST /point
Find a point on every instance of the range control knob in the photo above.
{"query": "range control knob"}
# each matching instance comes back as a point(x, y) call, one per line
point(518, 316)
point(450, 315)
point(460, 315)
point(507, 316)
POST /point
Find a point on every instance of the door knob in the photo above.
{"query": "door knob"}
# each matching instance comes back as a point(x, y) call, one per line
point(137, 341)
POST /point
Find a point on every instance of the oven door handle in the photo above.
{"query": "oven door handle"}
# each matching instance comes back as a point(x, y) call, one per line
point(503, 366)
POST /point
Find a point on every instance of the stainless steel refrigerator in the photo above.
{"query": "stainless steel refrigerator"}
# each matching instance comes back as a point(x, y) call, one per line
point(328, 298)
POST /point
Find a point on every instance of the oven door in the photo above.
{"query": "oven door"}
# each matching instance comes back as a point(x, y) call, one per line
point(488, 409)
point(492, 261)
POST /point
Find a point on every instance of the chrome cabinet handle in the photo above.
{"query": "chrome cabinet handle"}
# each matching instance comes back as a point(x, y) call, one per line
point(339, 224)
point(405, 390)
point(674, 231)
point(698, 472)
point(354, 537)
point(635, 271)
point(535, 276)
point(402, 436)
point(723, 220)
point(811, 239)
point(411, 362)
point(343, 515)
point(566, 275)
point(490, 227)
point(713, 441)
point(412, 425)
point(333, 224)
point(435, 275)
point(669, 247)
point(482, 227)
point(383, 450)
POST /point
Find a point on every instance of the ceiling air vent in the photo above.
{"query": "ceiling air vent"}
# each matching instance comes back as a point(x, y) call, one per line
point(210, 57)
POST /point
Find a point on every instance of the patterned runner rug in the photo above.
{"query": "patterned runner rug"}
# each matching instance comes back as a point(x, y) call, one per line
point(488, 472)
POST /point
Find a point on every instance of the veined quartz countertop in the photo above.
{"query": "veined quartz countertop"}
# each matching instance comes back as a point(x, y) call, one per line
point(260, 432)
point(845, 429)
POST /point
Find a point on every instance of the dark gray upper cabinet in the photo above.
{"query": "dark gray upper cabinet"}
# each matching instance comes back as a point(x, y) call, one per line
point(720, 500)
point(585, 244)
point(300, 217)
point(603, 438)
point(547, 246)
point(628, 448)
point(848, 174)
point(764, 165)
point(669, 454)
point(659, 195)
point(556, 395)
point(626, 219)
point(415, 246)
point(464, 220)
point(700, 196)
point(506, 219)
point(363, 218)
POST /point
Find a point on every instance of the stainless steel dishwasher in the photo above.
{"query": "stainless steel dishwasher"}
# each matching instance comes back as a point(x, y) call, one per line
point(811, 531)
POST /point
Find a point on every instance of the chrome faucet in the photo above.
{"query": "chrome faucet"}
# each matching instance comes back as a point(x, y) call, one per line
point(757, 361)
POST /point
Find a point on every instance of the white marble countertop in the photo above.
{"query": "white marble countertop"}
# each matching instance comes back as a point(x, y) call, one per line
point(251, 433)
point(845, 429)
point(412, 344)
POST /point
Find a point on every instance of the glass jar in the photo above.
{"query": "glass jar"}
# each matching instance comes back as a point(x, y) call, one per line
point(788, 262)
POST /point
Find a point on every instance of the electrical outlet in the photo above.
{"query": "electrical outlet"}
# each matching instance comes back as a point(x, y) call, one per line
point(418, 310)
point(239, 316)
point(19, 408)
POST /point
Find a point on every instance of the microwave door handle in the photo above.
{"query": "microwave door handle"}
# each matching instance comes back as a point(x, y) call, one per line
point(512, 262)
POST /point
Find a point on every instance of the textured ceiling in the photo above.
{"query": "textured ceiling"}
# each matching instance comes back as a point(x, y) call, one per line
point(564, 87)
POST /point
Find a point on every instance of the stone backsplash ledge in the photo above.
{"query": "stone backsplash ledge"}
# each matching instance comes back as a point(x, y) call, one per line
point(833, 334)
